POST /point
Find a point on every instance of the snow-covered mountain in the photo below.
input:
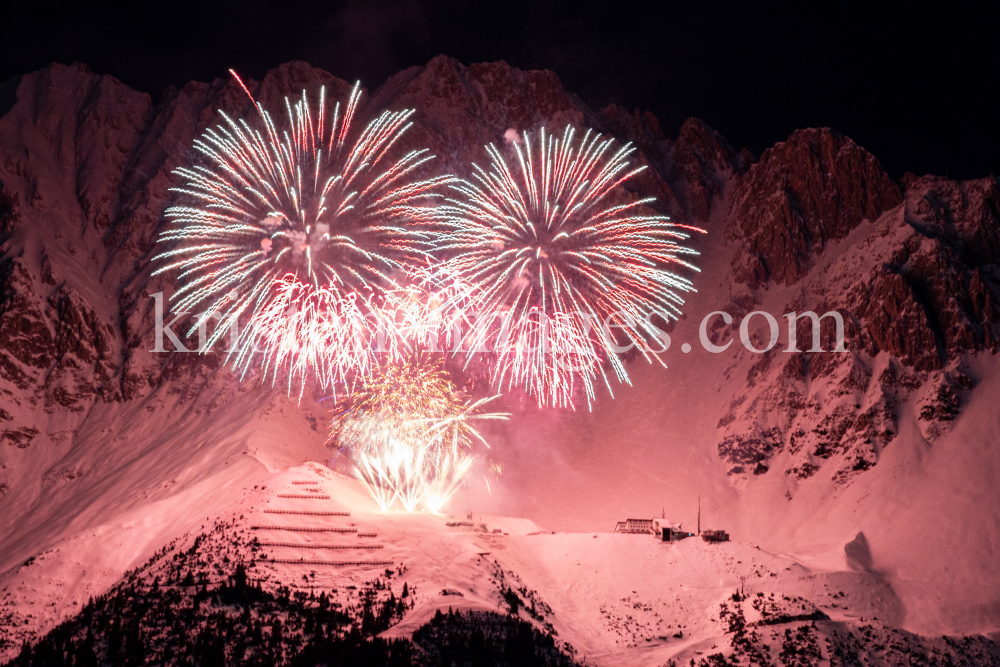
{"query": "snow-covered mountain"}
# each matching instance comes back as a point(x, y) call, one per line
point(109, 451)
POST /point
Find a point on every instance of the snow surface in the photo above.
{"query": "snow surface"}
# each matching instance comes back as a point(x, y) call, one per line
point(616, 599)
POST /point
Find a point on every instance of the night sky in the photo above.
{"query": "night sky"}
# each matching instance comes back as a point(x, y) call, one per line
point(915, 83)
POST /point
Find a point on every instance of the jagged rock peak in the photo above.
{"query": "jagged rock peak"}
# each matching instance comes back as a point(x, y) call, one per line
point(702, 162)
point(813, 188)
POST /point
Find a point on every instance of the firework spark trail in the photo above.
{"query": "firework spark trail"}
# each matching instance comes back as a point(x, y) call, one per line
point(411, 433)
point(308, 209)
point(335, 336)
point(446, 481)
point(555, 252)
point(373, 474)
point(433, 309)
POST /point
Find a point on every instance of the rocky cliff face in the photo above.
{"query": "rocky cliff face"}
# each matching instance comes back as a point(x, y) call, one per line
point(805, 192)
point(916, 295)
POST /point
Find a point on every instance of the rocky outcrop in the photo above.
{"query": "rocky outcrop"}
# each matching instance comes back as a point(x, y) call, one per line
point(811, 189)
point(918, 291)
point(461, 109)
point(9, 213)
point(56, 352)
point(703, 161)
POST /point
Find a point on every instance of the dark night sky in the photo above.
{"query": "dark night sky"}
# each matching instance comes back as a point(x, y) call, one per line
point(914, 83)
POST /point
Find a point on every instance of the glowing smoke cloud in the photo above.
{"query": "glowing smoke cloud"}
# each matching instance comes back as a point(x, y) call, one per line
point(297, 225)
point(553, 248)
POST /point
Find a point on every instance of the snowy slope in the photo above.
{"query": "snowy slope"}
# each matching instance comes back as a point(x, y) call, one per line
point(610, 599)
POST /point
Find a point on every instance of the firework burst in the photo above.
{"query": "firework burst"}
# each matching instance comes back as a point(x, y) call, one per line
point(411, 433)
point(296, 225)
point(557, 257)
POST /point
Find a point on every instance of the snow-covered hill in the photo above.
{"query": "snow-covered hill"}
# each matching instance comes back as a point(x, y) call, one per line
point(108, 451)
point(605, 599)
